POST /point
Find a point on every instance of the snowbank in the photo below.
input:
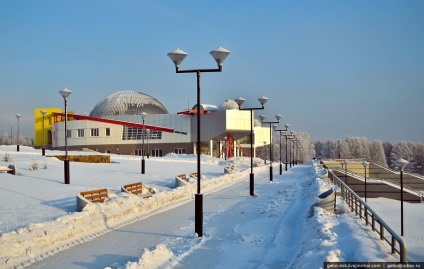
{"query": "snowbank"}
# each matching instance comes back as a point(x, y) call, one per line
point(39, 240)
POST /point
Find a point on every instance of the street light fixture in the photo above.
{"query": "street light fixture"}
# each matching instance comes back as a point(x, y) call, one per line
point(240, 102)
point(177, 56)
point(281, 134)
point(143, 162)
point(278, 117)
point(43, 149)
point(18, 116)
point(401, 163)
point(65, 94)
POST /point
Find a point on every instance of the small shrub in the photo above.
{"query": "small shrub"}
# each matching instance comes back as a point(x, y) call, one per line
point(45, 166)
point(86, 158)
point(33, 166)
point(7, 157)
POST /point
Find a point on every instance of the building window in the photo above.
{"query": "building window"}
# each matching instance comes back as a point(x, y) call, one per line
point(68, 133)
point(80, 132)
point(156, 152)
point(179, 151)
point(95, 132)
point(139, 152)
point(134, 133)
point(107, 131)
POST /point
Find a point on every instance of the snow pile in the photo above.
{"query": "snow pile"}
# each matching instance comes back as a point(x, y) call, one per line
point(157, 258)
point(341, 237)
point(37, 241)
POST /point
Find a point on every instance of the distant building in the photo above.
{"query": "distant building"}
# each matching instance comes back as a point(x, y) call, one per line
point(115, 126)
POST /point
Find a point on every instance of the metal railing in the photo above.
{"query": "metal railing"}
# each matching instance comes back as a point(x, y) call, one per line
point(383, 180)
point(365, 212)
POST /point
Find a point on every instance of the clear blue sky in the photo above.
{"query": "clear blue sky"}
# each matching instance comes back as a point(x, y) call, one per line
point(331, 68)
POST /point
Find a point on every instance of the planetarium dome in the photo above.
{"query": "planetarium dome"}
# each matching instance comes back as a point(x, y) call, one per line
point(127, 103)
point(228, 104)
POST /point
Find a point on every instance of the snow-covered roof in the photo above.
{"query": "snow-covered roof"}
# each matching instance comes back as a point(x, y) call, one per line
point(127, 103)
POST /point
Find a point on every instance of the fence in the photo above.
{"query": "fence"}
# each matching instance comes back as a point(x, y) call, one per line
point(365, 212)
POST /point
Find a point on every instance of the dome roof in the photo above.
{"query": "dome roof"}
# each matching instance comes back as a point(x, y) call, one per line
point(206, 107)
point(229, 104)
point(257, 122)
point(127, 103)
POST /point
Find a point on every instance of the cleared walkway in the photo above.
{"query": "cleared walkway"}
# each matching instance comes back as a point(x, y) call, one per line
point(175, 228)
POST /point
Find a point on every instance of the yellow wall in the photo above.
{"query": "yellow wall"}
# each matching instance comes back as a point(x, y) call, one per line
point(261, 135)
point(38, 125)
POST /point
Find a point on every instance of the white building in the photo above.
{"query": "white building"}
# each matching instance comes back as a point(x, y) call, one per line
point(115, 126)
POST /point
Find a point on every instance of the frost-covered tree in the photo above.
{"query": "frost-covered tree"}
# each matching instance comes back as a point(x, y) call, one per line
point(358, 147)
point(327, 149)
point(344, 150)
point(403, 150)
point(377, 152)
point(388, 147)
point(419, 155)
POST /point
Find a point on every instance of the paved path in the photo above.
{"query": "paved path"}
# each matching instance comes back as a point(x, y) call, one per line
point(127, 243)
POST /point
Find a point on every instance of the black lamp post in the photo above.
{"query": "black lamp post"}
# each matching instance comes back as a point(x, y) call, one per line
point(240, 102)
point(401, 163)
point(65, 94)
point(281, 134)
point(177, 56)
point(365, 164)
point(18, 116)
point(143, 161)
point(148, 150)
point(43, 150)
point(291, 139)
point(345, 167)
point(278, 117)
point(225, 147)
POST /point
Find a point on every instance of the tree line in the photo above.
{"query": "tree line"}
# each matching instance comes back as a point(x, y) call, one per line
point(383, 153)
point(6, 139)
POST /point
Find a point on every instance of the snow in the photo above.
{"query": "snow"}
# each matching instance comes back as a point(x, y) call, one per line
point(278, 228)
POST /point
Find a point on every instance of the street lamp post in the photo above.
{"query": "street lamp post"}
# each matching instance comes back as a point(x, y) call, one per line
point(365, 164)
point(65, 94)
point(43, 150)
point(240, 102)
point(143, 161)
point(278, 117)
point(148, 150)
point(345, 167)
point(18, 116)
point(225, 147)
point(281, 134)
point(177, 56)
point(401, 163)
point(287, 160)
point(291, 139)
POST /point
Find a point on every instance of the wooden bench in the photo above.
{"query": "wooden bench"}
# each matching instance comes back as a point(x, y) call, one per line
point(183, 176)
point(93, 196)
point(136, 189)
point(230, 169)
point(181, 180)
point(11, 169)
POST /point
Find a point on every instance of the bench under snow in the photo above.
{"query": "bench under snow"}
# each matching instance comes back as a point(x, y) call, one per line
point(137, 189)
point(93, 196)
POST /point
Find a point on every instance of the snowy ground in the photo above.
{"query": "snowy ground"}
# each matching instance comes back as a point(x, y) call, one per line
point(275, 229)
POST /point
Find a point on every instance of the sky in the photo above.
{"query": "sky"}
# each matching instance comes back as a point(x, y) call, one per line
point(333, 69)
point(39, 223)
